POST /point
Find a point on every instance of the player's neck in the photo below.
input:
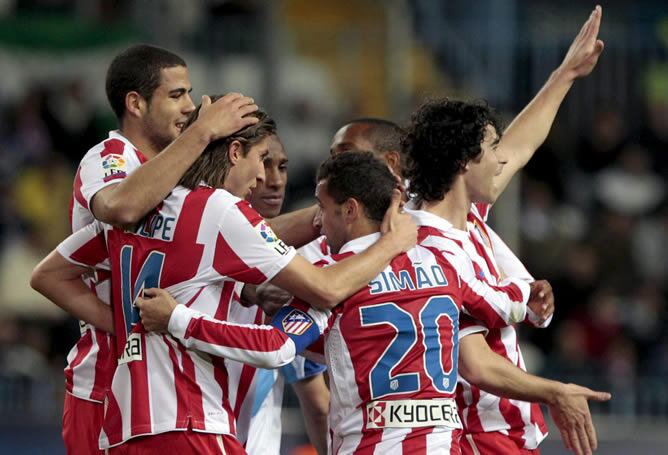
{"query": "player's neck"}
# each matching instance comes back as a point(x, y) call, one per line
point(139, 140)
point(361, 228)
point(454, 207)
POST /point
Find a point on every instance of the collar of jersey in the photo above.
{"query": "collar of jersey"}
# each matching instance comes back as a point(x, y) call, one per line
point(360, 243)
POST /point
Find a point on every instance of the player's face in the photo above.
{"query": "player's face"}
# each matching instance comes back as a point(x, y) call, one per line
point(169, 107)
point(267, 197)
point(350, 137)
point(481, 172)
point(331, 218)
point(248, 171)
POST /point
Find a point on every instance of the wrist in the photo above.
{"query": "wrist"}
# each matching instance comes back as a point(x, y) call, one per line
point(200, 134)
point(388, 243)
point(563, 76)
point(556, 392)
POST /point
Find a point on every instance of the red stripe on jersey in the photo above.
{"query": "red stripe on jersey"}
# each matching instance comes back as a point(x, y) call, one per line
point(179, 386)
point(92, 252)
point(537, 417)
point(513, 417)
point(84, 346)
point(113, 422)
point(473, 424)
point(483, 209)
point(104, 367)
point(426, 231)
point(76, 191)
point(370, 438)
point(324, 247)
point(480, 249)
point(250, 213)
point(220, 374)
point(222, 313)
point(112, 147)
point(415, 442)
point(246, 376)
point(195, 404)
point(140, 414)
point(227, 263)
point(140, 156)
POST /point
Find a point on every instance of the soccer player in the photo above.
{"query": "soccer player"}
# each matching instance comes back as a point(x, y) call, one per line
point(392, 394)
point(458, 159)
point(198, 244)
point(149, 90)
point(259, 416)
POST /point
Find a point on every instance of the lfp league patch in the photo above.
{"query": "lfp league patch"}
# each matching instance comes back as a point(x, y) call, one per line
point(270, 238)
point(296, 322)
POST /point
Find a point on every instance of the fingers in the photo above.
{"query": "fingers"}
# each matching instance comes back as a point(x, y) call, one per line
point(597, 396)
point(590, 431)
point(574, 439)
point(395, 203)
point(566, 439)
point(583, 440)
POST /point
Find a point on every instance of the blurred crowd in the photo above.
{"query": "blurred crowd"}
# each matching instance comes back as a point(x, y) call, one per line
point(595, 223)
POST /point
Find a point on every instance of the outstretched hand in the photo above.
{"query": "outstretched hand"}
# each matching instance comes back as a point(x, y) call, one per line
point(586, 48)
point(570, 412)
point(226, 115)
point(399, 225)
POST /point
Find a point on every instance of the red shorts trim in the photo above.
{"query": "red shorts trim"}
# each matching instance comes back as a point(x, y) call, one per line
point(491, 443)
point(181, 442)
point(82, 423)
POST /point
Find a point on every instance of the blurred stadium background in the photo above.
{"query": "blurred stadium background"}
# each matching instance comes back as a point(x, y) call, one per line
point(589, 213)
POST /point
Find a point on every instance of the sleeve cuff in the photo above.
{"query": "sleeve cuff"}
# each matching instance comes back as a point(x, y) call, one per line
point(179, 321)
point(518, 311)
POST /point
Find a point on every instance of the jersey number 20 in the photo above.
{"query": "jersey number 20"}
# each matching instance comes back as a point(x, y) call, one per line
point(438, 312)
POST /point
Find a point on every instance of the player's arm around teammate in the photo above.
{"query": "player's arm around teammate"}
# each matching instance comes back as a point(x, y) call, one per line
point(127, 202)
point(531, 126)
point(479, 365)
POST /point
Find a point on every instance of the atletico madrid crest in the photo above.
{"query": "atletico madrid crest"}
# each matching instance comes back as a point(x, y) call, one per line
point(296, 322)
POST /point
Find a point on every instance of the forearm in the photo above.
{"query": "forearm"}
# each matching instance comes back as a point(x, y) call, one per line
point(296, 228)
point(494, 374)
point(129, 201)
point(73, 296)
point(313, 398)
point(531, 126)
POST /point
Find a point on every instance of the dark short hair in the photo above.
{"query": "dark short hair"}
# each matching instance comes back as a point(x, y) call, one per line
point(442, 137)
point(213, 164)
point(361, 176)
point(384, 135)
point(137, 69)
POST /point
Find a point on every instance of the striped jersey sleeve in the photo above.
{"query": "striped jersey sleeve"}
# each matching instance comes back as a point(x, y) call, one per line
point(87, 247)
point(261, 346)
point(247, 249)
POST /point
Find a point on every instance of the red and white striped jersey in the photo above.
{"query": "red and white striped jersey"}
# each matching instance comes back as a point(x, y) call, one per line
point(482, 411)
point(90, 362)
point(197, 245)
point(391, 352)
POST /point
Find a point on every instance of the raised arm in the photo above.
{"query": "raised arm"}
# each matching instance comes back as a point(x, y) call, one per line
point(60, 281)
point(127, 202)
point(479, 365)
point(530, 128)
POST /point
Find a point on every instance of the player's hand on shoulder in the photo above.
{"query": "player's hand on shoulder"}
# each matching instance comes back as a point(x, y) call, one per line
point(226, 115)
point(399, 226)
point(586, 48)
point(155, 309)
point(541, 300)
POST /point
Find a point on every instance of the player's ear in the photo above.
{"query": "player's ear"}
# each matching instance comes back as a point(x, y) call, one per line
point(393, 160)
point(135, 104)
point(235, 152)
point(351, 210)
